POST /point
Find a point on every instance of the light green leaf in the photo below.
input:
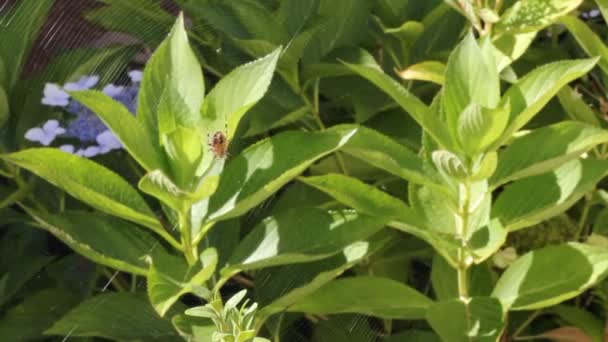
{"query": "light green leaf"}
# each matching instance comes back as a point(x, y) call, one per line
point(511, 46)
point(431, 71)
point(534, 15)
point(528, 96)
point(262, 169)
point(115, 316)
point(576, 108)
point(138, 141)
point(603, 5)
point(170, 277)
point(4, 107)
point(173, 69)
point(471, 78)
point(367, 295)
point(410, 103)
point(382, 152)
point(534, 199)
point(236, 93)
point(106, 240)
point(360, 196)
point(532, 283)
point(545, 149)
point(587, 39)
point(300, 235)
point(449, 164)
point(480, 319)
point(88, 182)
point(479, 127)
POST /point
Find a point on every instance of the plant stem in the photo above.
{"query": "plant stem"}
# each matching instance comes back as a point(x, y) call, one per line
point(583, 219)
point(186, 232)
point(463, 263)
point(114, 280)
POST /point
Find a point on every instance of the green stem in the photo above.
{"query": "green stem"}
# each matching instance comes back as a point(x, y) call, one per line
point(186, 232)
point(583, 219)
point(463, 263)
point(114, 280)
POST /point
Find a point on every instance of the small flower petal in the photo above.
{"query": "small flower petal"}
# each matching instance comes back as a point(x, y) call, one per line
point(113, 90)
point(55, 96)
point(67, 148)
point(108, 141)
point(84, 83)
point(136, 76)
point(35, 134)
point(91, 151)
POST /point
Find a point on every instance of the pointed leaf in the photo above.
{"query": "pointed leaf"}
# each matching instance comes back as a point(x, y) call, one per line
point(532, 283)
point(431, 71)
point(534, 15)
point(88, 182)
point(372, 296)
point(576, 108)
point(587, 39)
point(546, 148)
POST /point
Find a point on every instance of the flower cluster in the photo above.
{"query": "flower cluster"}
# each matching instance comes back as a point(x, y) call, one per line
point(84, 125)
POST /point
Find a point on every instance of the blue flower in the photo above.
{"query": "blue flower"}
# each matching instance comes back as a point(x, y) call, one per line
point(54, 95)
point(108, 141)
point(86, 126)
point(45, 135)
point(84, 83)
point(136, 76)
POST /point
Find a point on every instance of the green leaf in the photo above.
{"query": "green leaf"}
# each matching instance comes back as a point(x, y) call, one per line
point(106, 240)
point(360, 196)
point(382, 152)
point(172, 70)
point(533, 91)
point(170, 277)
point(20, 27)
point(532, 283)
point(236, 93)
point(367, 295)
point(300, 235)
point(449, 164)
point(4, 107)
point(576, 108)
point(157, 184)
point(27, 320)
point(138, 141)
point(262, 169)
point(88, 182)
point(479, 319)
point(603, 5)
point(534, 199)
point(511, 46)
point(591, 43)
point(286, 285)
point(545, 149)
point(410, 103)
point(194, 329)
point(479, 127)
point(115, 316)
point(534, 15)
point(430, 71)
point(471, 78)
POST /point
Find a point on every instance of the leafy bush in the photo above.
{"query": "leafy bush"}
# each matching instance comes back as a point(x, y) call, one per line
point(358, 171)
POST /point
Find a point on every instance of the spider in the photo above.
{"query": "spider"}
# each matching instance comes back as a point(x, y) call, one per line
point(219, 145)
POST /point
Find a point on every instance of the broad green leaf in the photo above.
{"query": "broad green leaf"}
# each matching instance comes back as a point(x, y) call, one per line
point(430, 71)
point(576, 108)
point(587, 39)
point(532, 283)
point(410, 103)
point(194, 329)
point(534, 15)
point(27, 320)
point(449, 164)
point(104, 239)
point(339, 328)
point(479, 127)
point(367, 295)
point(360, 196)
point(300, 235)
point(173, 69)
point(528, 96)
point(603, 5)
point(115, 316)
point(471, 78)
point(4, 107)
point(534, 199)
point(138, 141)
point(236, 93)
point(286, 285)
point(20, 26)
point(545, 149)
point(382, 152)
point(170, 277)
point(479, 319)
point(262, 169)
point(88, 182)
